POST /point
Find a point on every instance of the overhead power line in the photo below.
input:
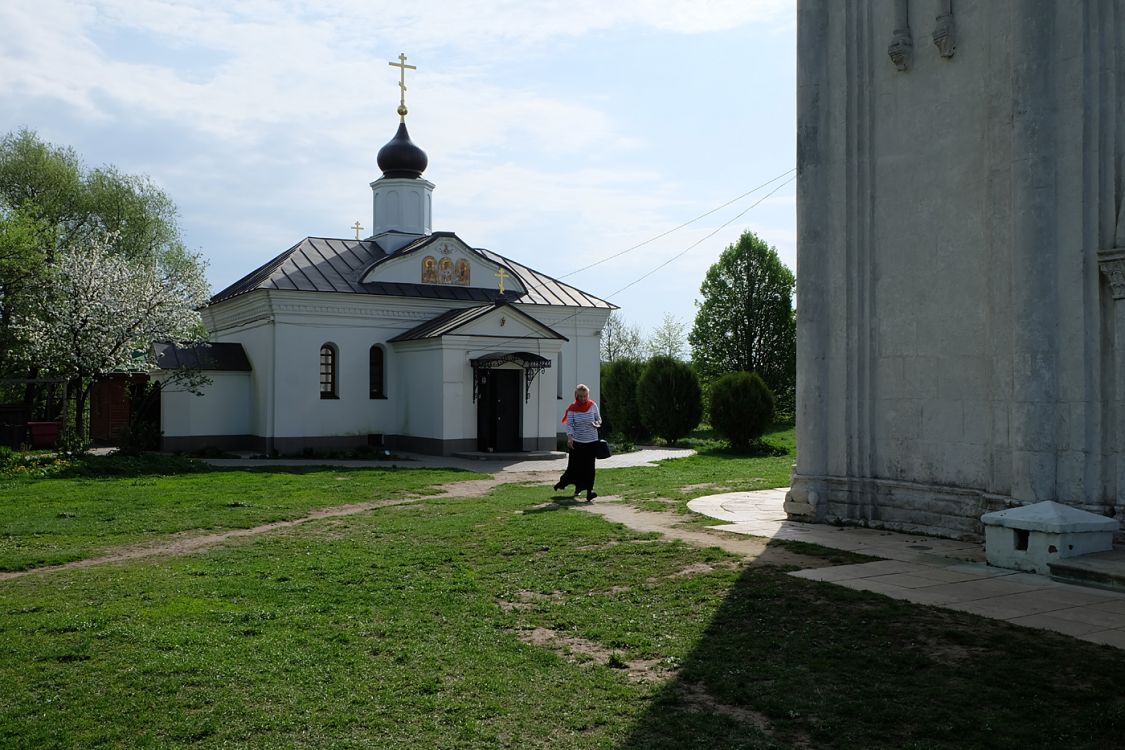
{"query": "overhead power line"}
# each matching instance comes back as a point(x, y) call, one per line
point(686, 223)
point(704, 238)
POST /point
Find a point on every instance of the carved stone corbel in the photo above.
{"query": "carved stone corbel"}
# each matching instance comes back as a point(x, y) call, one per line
point(1112, 265)
point(943, 31)
point(901, 50)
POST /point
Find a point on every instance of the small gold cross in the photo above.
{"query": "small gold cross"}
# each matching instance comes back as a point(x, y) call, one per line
point(502, 274)
point(403, 67)
point(357, 227)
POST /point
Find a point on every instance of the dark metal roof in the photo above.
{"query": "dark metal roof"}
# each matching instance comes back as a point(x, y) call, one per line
point(544, 290)
point(315, 264)
point(450, 321)
point(320, 264)
point(218, 356)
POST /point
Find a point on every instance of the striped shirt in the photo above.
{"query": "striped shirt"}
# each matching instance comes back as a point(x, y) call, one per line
point(580, 424)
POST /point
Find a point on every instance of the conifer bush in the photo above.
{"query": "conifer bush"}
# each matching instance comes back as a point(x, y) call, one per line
point(742, 407)
point(669, 398)
point(619, 398)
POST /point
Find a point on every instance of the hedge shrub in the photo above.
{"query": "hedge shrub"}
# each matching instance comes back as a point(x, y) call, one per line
point(742, 407)
point(669, 398)
point(619, 398)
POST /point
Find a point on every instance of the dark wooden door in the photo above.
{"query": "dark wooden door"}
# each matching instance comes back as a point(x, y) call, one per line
point(499, 412)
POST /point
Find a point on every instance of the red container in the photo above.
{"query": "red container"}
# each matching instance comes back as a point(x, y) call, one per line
point(43, 434)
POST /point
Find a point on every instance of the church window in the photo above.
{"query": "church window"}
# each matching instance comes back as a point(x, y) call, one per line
point(377, 373)
point(328, 372)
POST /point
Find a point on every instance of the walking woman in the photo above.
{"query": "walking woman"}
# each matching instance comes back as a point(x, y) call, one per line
point(582, 420)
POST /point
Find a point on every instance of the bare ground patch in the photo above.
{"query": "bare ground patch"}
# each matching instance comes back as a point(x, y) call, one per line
point(481, 487)
point(528, 599)
point(704, 486)
point(586, 652)
point(694, 697)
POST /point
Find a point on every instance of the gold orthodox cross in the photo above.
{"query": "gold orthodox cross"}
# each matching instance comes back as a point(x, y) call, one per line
point(402, 68)
point(356, 227)
point(502, 274)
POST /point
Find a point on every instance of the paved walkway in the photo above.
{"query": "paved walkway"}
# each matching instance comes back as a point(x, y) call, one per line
point(925, 570)
point(644, 457)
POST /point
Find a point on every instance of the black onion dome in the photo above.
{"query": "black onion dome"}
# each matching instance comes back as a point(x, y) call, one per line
point(400, 157)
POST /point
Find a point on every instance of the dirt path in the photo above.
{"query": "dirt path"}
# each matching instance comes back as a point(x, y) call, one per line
point(186, 542)
point(749, 548)
point(754, 550)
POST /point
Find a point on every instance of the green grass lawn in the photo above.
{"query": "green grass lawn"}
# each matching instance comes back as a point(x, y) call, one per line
point(60, 518)
point(491, 622)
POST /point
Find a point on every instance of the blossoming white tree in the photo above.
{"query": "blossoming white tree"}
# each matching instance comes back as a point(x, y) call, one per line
point(101, 311)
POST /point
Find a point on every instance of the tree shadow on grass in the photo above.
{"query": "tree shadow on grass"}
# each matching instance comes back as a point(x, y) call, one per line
point(791, 663)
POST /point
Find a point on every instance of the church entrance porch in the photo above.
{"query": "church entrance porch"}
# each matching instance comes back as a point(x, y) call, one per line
point(499, 411)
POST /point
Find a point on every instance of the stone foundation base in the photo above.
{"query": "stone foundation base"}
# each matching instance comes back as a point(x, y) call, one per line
point(933, 510)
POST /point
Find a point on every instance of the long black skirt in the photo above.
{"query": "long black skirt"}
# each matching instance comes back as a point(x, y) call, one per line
point(580, 468)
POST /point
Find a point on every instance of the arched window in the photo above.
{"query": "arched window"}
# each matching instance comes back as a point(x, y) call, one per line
point(329, 378)
point(377, 372)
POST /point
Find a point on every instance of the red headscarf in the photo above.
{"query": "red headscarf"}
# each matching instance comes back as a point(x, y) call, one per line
point(577, 407)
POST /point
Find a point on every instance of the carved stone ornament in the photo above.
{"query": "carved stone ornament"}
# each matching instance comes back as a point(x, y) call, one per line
point(901, 50)
point(943, 35)
point(1112, 265)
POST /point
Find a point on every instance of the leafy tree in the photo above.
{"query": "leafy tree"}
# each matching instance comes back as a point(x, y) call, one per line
point(100, 312)
point(620, 340)
point(619, 398)
point(745, 320)
point(669, 398)
point(50, 203)
point(669, 339)
point(49, 185)
point(742, 407)
point(21, 273)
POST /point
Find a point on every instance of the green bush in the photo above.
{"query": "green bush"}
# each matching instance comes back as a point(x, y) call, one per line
point(742, 407)
point(669, 398)
point(619, 398)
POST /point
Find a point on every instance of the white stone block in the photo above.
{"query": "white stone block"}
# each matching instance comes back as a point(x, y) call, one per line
point(1033, 536)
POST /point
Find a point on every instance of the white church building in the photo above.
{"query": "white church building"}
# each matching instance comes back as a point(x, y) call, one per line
point(409, 339)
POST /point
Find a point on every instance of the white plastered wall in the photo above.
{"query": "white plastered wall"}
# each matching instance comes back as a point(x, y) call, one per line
point(224, 409)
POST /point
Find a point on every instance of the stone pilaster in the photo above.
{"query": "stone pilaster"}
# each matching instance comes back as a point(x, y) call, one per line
point(1111, 263)
point(813, 285)
point(1035, 251)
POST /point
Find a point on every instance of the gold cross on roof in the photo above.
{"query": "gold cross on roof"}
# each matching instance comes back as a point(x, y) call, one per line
point(502, 274)
point(357, 227)
point(402, 68)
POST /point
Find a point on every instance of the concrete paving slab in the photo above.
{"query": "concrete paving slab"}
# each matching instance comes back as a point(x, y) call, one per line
point(854, 571)
point(1057, 624)
point(938, 572)
point(1107, 637)
point(1117, 604)
point(1093, 615)
point(910, 580)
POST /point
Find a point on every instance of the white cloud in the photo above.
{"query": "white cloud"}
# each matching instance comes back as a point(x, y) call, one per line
point(273, 114)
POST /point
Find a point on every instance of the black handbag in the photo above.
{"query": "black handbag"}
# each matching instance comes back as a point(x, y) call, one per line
point(601, 450)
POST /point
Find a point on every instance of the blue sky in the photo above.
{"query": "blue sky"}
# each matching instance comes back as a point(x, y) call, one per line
point(558, 133)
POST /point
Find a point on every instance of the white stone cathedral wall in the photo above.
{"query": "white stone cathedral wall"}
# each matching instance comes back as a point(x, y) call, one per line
point(952, 323)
